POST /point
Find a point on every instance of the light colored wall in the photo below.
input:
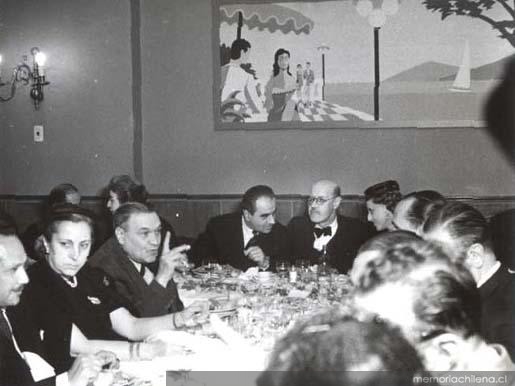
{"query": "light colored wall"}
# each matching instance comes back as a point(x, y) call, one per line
point(87, 111)
point(87, 114)
point(183, 153)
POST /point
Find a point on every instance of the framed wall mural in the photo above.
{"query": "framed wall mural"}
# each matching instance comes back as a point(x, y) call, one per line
point(357, 63)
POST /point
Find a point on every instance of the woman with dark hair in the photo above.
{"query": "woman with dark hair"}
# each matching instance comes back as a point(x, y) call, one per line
point(74, 309)
point(32, 236)
point(280, 90)
point(465, 236)
point(412, 211)
point(381, 200)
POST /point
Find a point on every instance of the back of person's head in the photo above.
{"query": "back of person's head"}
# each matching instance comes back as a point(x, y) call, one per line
point(500, 114)
point(67, 212)
point(237, 46)
point(8, 226)
point(415, 207)
point(376, 246)
point(63, 193)
point(127, 190)
point(386, 193)
point(125, 211)
point(342, 347)
point(441, 294)
point(456, 226)
point(248, 202)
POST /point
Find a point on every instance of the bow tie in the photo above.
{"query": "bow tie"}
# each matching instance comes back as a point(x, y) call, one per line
point(326, 231)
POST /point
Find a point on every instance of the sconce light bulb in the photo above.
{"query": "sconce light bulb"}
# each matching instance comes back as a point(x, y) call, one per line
point(0, 59)
point(40, 59)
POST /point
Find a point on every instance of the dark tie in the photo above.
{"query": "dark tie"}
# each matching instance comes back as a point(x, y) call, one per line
point(322, 231)
point(142, 270)
point(253, 241)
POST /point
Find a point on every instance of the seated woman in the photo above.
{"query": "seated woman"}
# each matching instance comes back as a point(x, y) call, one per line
point(381, 200)
point(32, 236)
point(122, 189)
point(72, 307)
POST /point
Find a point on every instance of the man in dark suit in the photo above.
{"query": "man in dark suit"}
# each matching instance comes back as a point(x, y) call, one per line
point(130, 259)
point(324, 230)
point(14, 369)
point(250, 237)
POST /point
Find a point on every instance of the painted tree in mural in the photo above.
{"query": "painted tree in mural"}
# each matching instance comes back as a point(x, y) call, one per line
point(478, 9)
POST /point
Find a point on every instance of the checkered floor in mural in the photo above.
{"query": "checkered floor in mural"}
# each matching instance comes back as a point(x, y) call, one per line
point(320, 111)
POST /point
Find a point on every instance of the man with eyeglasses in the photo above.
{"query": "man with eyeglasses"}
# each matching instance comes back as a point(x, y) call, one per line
point(250, 237)
point(325, 230)
point(435, 302)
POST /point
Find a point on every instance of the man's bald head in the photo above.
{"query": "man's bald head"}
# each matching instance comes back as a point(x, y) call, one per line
point(324, 202)
point(12, 272)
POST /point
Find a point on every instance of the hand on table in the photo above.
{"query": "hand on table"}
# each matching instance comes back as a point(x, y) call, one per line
point(85, 368)
point(170, 260)
point(195, 314)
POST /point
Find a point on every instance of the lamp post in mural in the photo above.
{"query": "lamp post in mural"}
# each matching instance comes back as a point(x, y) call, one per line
point(377, 19)
point(323, 48)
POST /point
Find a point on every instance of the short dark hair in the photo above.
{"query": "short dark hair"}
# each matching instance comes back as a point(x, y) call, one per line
point(386, 240)
point(421, 203)
point(386, 193)
point(237, 46)
point(465, 224)
point(325, 349)
point(125, 211)
point(58, 193)
point(127, 190)
point(67, 212)
point(250, 197)
point(445, 293)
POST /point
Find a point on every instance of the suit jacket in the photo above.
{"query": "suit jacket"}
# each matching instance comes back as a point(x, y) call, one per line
point(222, 240)
point(498, 309)
point(342, 248)
point(14, 371)
point(143, 300)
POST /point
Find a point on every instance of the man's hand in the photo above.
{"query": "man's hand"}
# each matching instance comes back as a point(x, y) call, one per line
point(197, 313)
point(85, 368)
point(170, 259)
point(257, 255)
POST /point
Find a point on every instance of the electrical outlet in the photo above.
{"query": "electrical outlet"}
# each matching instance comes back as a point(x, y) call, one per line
point(39, 133)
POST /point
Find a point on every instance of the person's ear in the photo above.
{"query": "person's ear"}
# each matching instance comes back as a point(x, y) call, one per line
point(45, 244)
point(120, 235)
point(336, 203)
point(474, 256)
point(246, 215)
point(443, 352)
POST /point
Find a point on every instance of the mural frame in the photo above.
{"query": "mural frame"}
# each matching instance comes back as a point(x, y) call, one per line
point(221, 124)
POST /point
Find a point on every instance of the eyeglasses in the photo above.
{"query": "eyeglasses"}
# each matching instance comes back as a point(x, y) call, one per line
point(318, 200)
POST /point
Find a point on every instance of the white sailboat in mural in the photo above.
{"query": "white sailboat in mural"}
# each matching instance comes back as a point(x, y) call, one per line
point(462, 80)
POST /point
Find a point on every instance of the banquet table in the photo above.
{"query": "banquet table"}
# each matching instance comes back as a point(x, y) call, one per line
point(249, 312)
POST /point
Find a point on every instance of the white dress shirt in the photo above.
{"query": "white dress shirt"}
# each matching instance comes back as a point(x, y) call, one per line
point(322, 241)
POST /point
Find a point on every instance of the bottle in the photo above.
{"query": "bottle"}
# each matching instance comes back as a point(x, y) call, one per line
point(323, 263)
point(292, 274)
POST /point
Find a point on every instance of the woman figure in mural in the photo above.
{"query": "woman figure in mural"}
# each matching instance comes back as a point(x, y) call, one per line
point(239, 95)
point(281, 101)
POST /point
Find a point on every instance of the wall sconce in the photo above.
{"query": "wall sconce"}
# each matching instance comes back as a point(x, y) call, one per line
point(23, 74)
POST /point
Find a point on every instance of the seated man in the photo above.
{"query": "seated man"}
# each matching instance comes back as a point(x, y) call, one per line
point(324, 229)
point(127, 258)
point(436, 304)
point(250, 237)
point(15, 368)
point(350, 348)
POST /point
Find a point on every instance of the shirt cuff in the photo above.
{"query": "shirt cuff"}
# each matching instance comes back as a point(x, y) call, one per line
point(62, 380)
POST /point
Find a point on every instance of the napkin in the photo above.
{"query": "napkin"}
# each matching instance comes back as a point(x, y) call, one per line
point(39, 368)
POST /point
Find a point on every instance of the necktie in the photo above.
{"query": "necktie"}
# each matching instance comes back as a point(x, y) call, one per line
point(142, 270)
point(326, 231)
point(253, 241)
